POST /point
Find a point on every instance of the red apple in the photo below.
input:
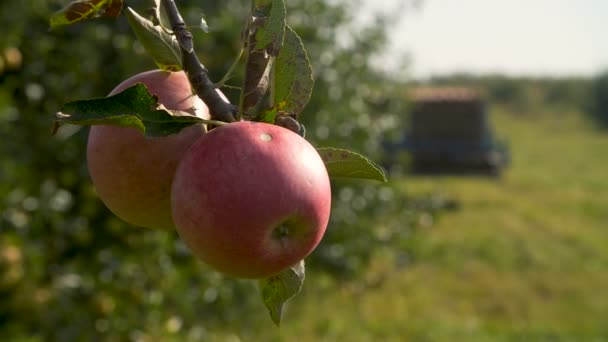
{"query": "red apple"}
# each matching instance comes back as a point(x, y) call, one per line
point(131, 173)
point(251, 199)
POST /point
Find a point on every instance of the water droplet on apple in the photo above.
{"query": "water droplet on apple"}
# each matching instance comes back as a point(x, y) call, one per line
point(265, 137)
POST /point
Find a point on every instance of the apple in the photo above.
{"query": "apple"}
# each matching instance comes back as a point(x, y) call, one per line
point(11, 266)
point(251, 199)
point(12, 58)
point(132, 174)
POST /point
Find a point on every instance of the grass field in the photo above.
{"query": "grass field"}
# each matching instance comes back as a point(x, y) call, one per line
point(524, 257)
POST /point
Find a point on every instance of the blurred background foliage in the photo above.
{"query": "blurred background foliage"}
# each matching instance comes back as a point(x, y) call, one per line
point(70, 270)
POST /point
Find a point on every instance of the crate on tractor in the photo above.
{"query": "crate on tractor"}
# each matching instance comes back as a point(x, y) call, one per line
point(449, 132)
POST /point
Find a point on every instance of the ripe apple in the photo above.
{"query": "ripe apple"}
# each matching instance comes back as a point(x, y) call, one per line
point(251, 199)
point(11, 266)
point(131, 173)
point(12, 58)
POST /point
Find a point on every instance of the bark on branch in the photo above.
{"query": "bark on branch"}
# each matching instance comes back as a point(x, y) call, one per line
point(197, 73)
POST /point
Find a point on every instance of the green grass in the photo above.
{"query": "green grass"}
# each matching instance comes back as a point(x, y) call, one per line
point(524, 257)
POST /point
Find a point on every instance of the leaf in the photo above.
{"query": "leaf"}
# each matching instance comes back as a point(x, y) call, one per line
point(134, 107)
point(348, 164)
point(267, 115)
point(82, 10)
point(264, 39)
point(293, 74)
point(269, 37)
point(161, 15)
point(255, 83)
point(204, 26)
point(278, 289)
point(162, 46)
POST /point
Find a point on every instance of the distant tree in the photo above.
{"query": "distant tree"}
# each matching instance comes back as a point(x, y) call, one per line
point(599, 100)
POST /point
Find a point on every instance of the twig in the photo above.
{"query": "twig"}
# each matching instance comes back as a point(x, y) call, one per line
point(197, 74)
point(230, 71)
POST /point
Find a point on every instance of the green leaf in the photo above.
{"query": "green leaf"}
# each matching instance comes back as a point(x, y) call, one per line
point(293, 74)
point(278, 289)
point(78, 11)
point(267, 115)
point(161, 15)
point(134, 107)
point(161, 45)
point(269, 37)
point(264, 39)
point(348, 164)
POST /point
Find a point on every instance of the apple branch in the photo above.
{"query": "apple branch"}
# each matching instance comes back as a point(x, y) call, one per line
point(197, 73)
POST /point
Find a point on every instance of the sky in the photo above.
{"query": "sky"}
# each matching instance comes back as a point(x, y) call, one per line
point(517, 37)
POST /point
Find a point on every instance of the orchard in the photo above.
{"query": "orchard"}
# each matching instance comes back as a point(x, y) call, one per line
point(246, 192)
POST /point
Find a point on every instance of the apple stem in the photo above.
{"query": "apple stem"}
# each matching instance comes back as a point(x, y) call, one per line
point(197, 73)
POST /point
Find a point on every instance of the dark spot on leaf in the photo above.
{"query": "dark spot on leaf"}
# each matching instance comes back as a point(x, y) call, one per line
point(79, 11)
point(114, 8)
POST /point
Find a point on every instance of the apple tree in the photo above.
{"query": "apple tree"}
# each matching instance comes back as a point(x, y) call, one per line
point(79, 258)
point(227, 209)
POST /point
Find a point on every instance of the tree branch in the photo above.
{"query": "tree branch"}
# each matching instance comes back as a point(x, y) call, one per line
point(197, 74)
